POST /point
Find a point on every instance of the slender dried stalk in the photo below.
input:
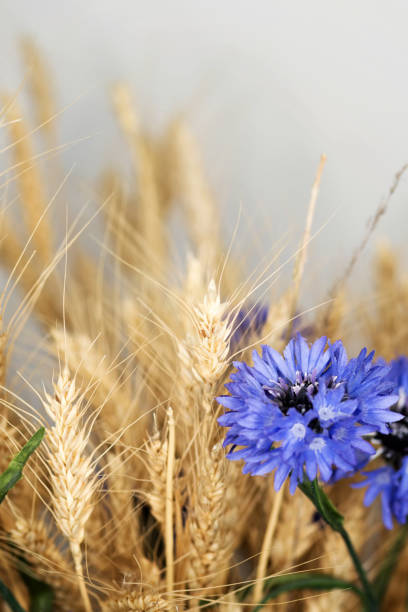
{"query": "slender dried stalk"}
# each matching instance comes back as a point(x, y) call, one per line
point(169, 521)
point(266, 544)
point(301, 258)
point(3, 354)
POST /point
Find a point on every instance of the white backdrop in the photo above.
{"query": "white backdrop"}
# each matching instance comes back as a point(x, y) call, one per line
point(269, 85)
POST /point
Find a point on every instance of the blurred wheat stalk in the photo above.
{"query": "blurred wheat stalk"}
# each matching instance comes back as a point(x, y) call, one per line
point(131, 504)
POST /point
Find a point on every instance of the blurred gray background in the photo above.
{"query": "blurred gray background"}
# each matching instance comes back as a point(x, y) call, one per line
point(267, 86)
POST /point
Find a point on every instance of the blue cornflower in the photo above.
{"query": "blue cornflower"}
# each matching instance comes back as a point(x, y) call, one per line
point(309, 409)
point(392, 485)
point(247, 322)
point(391, 480)
point(398, 375)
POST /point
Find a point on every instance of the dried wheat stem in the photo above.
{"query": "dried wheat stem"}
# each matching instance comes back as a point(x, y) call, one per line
point(371, 225)
point(77, 557)
point(3, 355)
point(266, 545)
point(301, 258)
point(169, 506)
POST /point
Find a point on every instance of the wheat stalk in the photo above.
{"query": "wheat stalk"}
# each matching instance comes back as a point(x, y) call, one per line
point(74, 478)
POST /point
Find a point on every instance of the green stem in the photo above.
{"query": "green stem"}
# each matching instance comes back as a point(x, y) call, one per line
point(372, 604)
point(384, 576)
point(334, 519)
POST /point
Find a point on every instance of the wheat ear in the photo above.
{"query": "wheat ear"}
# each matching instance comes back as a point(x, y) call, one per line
point(47, 561)
point(133, 600)
point(74, 479)
point(207, 525)
point(156, 461)
point(204, 354)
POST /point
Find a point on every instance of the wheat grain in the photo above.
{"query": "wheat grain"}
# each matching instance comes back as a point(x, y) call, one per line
point(135, 601)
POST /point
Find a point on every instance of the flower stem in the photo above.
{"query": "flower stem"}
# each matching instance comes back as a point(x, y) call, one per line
point(334, 519)
point(371, 602)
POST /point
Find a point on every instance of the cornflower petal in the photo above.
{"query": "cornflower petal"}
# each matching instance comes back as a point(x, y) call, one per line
point(309, 409)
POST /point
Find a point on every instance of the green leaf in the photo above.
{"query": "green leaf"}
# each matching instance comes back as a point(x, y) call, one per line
point(323, 505)
point(293, 582)
point(41, 594)
point(383, 577)
point(9, 598)
point(15, 469)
